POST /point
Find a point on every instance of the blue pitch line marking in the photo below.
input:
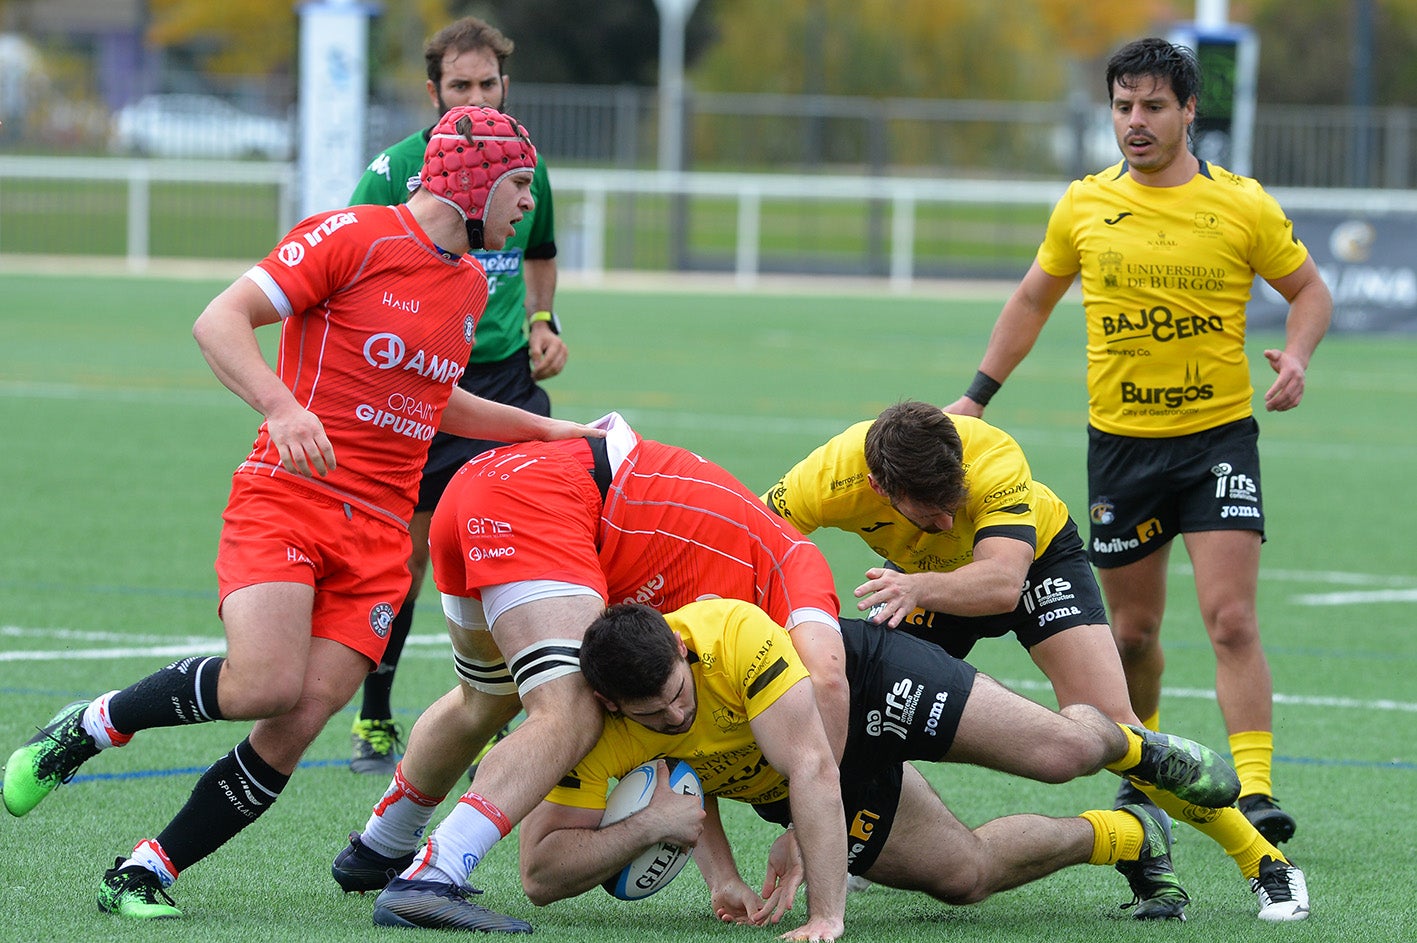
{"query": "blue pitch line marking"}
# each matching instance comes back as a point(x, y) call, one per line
point(183, 771)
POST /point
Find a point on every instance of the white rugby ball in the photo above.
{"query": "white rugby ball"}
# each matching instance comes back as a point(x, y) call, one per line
point(653, 868)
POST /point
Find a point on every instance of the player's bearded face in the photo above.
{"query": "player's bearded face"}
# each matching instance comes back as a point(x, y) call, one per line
point(471, 78)
point(673, 711)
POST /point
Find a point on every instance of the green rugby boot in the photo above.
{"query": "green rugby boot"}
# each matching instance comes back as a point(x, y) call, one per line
point(47, 759)
point(1190, 771)
point(1156, 891)
point(376, 746)
point(136, 893)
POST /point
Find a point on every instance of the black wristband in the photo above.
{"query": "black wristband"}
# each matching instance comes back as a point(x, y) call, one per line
point(982, 388)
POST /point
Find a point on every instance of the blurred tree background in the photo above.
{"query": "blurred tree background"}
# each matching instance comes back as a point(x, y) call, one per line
point(963, 49)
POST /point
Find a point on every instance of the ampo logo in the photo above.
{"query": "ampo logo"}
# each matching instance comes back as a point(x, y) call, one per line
point(384, 351)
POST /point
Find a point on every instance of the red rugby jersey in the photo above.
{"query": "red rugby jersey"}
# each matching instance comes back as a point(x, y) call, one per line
point(376, 331)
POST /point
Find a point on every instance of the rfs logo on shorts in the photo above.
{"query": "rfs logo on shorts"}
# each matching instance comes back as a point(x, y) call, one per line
point(381, 618)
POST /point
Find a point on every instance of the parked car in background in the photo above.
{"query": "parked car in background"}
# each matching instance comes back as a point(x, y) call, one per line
point(186, 125)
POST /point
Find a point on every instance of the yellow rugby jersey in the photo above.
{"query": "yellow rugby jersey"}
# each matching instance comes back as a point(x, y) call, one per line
point(1166, 274)
point(829, 489)
point(742, 662)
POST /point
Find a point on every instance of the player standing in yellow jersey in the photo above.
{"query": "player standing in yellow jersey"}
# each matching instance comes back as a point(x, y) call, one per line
point(1168, 246)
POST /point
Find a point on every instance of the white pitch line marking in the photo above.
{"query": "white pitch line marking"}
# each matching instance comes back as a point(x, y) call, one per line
point(193, 646)
point(1208, 694)
point(1356, 597)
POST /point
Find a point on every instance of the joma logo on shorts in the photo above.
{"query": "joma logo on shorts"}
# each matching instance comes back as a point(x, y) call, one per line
point(1046, 617)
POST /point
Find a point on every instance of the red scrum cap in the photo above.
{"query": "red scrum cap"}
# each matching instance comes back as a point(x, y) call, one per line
point(470, 151)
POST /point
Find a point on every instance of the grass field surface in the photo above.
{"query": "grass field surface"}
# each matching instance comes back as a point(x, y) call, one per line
point(114, 467)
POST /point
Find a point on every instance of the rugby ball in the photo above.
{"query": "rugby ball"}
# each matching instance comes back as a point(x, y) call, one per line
point(653, 868)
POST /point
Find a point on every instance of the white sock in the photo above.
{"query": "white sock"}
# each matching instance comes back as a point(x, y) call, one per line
point(150, 855)
point(96, 725)
point(400, 819)
point(459, 844)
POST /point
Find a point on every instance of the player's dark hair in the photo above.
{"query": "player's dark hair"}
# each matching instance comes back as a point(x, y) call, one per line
point(628, 653)
point(914, 452)
point(1155, 58)
point(465, 35)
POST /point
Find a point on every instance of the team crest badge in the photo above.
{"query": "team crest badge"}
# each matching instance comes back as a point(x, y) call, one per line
point(381, 619)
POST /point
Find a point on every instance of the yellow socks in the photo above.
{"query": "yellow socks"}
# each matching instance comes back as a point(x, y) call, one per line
point(1116, 836)
point(1228, 828)
point(1133, 754)
point(1253, 753)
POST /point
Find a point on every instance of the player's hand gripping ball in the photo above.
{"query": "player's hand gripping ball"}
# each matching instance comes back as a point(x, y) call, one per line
point(656, 866)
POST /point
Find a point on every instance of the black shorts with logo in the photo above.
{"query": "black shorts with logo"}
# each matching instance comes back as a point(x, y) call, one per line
point(1060, 592)
point(502, 381)
point(1147, 491)
point(907, 697)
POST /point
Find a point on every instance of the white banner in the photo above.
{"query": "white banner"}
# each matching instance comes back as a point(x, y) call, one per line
point(334, 53)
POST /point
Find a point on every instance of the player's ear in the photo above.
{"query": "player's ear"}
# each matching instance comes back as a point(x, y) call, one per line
point(606, 703)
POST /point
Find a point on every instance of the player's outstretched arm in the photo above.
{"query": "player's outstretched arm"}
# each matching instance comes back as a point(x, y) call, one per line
point(987, 585)
point(732, 900)
point(792, 740)
point(473, 417)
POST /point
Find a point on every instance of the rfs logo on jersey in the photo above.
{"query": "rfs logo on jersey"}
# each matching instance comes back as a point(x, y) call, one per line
point(384, 351)
point(292, 254)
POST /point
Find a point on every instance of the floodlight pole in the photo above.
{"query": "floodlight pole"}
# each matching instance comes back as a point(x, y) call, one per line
point(673, 21)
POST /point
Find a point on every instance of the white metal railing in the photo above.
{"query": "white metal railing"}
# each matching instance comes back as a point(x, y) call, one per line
point(138, 175)
point(903, 194)
point(590, 193)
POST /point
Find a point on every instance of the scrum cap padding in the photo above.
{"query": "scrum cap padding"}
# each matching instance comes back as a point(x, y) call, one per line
point(471, 150)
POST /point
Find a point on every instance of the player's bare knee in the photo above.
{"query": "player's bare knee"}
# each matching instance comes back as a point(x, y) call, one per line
point(960, 883)
point(1135, 639)
point(1233, 629)
point(1083, 745)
